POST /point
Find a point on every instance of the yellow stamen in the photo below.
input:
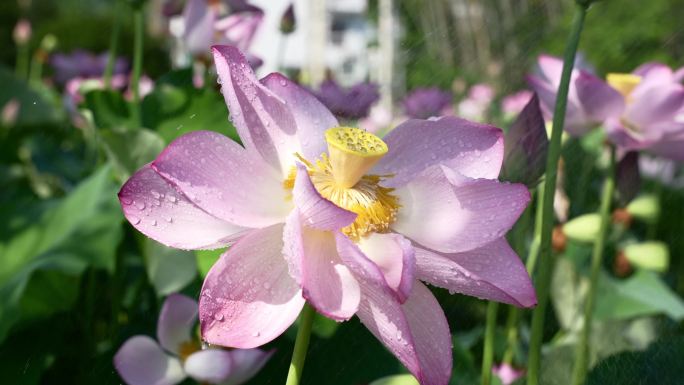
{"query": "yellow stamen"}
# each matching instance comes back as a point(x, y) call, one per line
point(187, 348)
point(376, 207)
point(624, 83)
point(352, 153)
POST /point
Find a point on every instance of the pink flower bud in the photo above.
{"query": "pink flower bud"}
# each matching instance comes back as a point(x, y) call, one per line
point(22, 32)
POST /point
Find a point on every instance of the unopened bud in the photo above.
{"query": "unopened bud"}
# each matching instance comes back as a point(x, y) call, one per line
point(621, 265)
point(49, 43)
point(558, 239)
point(22, 32)
point(584, 228)
point(622, 217)
point(288, 22)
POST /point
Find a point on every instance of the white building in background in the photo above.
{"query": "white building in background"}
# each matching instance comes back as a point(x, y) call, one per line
point(330, 35)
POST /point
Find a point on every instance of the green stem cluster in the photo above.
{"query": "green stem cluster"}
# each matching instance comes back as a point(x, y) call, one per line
point(113, 46)
point(546, 262)
point(488, 354)
point(582, 353)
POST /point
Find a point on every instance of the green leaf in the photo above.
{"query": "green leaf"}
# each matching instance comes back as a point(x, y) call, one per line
point(71, 234)
point(130, 150)
point(659, 364)
point(169, 270)
point(400, 379)
point(35, 108)
point(644, 293)
point(649, 255)
point(175, 107)
point(206, 259)
point(109, 109)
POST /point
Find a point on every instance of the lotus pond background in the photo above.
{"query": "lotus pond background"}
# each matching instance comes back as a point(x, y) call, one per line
point(76, 280)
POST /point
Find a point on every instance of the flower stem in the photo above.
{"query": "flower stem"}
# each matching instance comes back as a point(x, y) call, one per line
point(301, 346)
point(546, 262)
point(22, 66)
point(113, 46)
point(581, 355)
point(138, 30)
point(532, 254)
point(488, 354)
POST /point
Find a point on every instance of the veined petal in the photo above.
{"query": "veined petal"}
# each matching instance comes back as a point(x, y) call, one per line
point(261, 117)
point(451, 213)
point(317, 212)
point(395, 257)
point(141, 361)
point(311, 116)
point(416, 332)
point(224, 179)
point(248, 297)
point(326, 282)
point(246, 363)
point(475, 150)
point(492, 272)
point(176, 319)
point(211, 366)
point(598, 99)
point(384, 316)
point(157, 209)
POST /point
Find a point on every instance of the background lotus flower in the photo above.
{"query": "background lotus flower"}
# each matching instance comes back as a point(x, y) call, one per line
point(507, 373)
point(590, 100)
point(351, 103)
point(177, 355)
point(513, 104)
point(351, 230)
point(476, 105)
point(232, 22)
point(83, 64)
point(288, 22)
point(648, 113)
point(22, 32)
point(423, 103)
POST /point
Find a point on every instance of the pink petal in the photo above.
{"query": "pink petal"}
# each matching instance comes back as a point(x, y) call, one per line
point(261, 117)
point(655, 103)
point(154, 207)
point(416, 332)
point(492, 272)
point(475, 150)
point(211, 366)
point(141, 361)
point(669, 148)
point(317, 212)
point(598, 99)
point(246, 363)
point(311, 116)
point(248, 297)
point(552, 68)
point(450, 217)
point(199, 26)
point(395, 257)
point(224, 179)
point(326, 283)
point(176, 319)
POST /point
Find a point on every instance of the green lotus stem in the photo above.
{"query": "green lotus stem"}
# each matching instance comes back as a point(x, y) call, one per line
point(581, 355)
point(22, 65)
point(488, 354)
point(294, 375)
point(546, 262)
point(533, 253)
point(113, 46)
point(138, 30)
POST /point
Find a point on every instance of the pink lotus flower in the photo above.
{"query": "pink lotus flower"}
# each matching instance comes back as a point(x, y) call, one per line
point(476, 105)
point(334, 216)
point(590, 100)
point(507, 373)
point(514, 103)
point(210, 22)
point(143, 361)
point(649, 111)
